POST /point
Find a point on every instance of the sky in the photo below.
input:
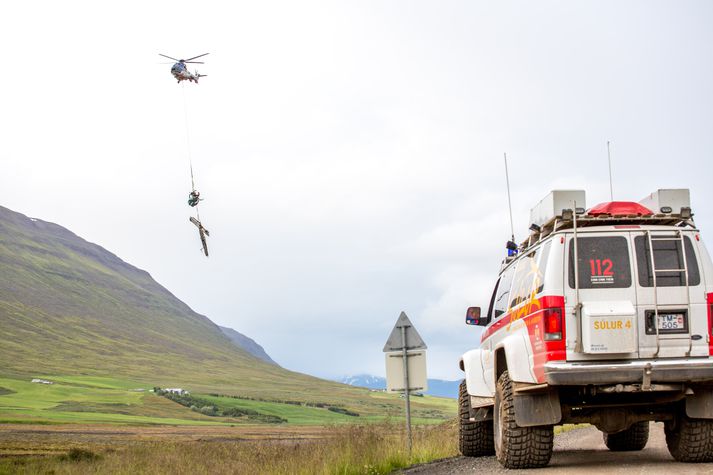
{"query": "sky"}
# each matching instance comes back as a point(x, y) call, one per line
point(350, 153)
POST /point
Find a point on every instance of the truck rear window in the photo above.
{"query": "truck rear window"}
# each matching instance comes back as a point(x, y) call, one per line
point(603, 263)
point(667, 256)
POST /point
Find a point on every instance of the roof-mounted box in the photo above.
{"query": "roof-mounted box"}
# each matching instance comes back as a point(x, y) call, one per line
point(668, 201)
point(552, 205)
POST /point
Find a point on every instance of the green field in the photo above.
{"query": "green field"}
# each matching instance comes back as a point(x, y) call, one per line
point(90, 400)
point(75, 399)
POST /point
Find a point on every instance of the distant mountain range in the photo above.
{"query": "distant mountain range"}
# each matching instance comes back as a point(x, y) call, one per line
point(436, 387)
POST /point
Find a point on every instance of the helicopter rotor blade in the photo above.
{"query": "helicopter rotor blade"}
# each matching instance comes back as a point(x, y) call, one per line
point(168, 57)
point(191, 59)
point(194, 62)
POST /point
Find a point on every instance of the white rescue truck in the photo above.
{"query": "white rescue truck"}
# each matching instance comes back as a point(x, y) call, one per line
point(624, 340)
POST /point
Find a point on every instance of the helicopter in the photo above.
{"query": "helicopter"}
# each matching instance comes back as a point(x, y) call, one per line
point(180, 70)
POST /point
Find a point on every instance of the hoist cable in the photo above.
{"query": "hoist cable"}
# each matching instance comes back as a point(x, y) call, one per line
point(188, 138)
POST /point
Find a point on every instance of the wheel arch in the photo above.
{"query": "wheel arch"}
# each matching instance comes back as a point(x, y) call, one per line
point(471, 364)
point(501, 363)
point(512, 355)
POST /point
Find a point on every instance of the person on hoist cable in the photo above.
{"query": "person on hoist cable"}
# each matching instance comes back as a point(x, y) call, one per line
point(194, 198)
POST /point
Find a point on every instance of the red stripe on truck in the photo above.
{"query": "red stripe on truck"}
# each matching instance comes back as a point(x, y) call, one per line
point(535, 313)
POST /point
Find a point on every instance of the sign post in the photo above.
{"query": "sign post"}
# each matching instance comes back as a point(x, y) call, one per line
point(409, 374)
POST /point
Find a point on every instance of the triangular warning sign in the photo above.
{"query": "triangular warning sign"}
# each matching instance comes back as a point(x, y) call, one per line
point(413, 339)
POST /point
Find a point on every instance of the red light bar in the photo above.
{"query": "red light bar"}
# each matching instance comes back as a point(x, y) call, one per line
point(620, 208)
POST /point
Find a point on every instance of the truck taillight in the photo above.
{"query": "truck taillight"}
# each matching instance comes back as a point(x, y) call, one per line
point(553, 324)
point(551, 321)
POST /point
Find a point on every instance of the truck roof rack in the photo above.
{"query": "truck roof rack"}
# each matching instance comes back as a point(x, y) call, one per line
point(584, 220)
point(557, 212)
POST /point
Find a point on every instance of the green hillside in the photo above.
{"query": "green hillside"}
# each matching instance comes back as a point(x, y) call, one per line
point(70, 308)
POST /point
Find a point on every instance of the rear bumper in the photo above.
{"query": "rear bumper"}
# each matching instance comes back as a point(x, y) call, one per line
point(680, 370)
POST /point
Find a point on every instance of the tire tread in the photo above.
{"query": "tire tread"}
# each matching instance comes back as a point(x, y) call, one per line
point(523, 447)
point(691, 440)
point(633, 438)
point(475, 439)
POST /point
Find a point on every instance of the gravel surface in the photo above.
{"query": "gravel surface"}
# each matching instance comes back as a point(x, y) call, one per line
point(579, 451)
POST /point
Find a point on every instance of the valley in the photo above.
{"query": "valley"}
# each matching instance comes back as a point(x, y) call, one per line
point(104, 367)
point(102, 329)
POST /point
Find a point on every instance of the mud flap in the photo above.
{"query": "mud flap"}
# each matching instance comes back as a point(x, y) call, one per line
point(537, 409)
point(481, 414)
point(700, 404)
point(480, 409)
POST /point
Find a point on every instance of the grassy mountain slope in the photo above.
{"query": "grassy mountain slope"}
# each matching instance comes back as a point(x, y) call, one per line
point(69, 307)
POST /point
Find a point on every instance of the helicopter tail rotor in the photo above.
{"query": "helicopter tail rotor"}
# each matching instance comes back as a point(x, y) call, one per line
point(199, 75)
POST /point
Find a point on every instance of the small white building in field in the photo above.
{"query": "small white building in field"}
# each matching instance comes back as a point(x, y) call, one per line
point(178, 391)
point(41, 381)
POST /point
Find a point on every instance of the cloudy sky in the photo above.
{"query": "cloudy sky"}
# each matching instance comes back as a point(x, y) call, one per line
point(349, 153)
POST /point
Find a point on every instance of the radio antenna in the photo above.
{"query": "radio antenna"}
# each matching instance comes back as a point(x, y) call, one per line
point(611, 187)
point(507, 181)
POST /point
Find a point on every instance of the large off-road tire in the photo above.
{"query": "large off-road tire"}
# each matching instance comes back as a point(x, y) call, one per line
point(475, 439)
point(633, 438)
point(518, 447)
point(690, 440)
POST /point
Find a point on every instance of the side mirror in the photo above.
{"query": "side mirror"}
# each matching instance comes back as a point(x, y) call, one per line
point(472, 316)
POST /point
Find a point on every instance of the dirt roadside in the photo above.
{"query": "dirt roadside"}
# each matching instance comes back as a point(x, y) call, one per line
point(579, 451)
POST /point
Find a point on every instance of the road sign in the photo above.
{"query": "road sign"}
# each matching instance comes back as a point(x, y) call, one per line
point(416, 371)
point(405, 363)
point(413, 339)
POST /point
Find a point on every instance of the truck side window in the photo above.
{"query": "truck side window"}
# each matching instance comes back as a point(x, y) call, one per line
point(544, 257)
point(530, 275)
point(503, 292)
point(667, 255)
point(603, 263)
point(524, 278)
point(492, 301)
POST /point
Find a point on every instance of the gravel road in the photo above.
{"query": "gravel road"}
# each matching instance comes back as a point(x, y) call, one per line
point(579, 451)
